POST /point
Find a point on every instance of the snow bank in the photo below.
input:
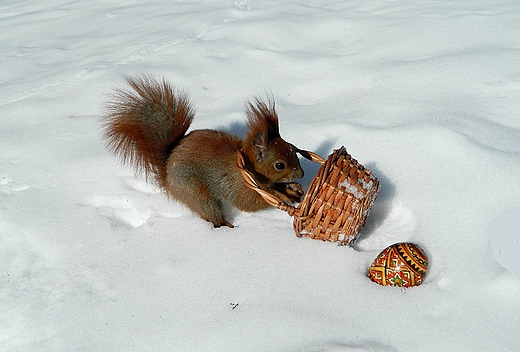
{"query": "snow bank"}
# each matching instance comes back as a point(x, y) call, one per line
point(425, 95)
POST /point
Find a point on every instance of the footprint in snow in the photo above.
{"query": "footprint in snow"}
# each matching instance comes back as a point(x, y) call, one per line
point(8, 186)
point(120, 210)
point(384, 227)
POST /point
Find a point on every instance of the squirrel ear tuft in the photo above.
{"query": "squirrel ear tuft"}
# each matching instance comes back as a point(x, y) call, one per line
point(259, 145)
point(261, 116)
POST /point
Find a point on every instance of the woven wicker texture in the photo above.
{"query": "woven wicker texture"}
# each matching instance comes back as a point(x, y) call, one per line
point(337, 202)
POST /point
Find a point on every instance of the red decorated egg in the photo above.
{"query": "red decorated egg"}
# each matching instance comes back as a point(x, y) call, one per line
point(402, 264)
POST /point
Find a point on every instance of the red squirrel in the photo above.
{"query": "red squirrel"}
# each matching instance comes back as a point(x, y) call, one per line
point(146, 127)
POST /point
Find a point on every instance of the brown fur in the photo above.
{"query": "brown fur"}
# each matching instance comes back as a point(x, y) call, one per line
point(146, 127)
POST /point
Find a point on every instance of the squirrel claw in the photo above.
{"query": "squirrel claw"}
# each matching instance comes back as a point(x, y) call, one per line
point(222, 223)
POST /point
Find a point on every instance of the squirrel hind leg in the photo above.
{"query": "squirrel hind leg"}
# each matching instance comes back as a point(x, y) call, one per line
point(201, 202)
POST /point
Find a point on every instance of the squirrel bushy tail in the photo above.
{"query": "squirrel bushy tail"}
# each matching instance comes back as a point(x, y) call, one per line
point(143, 125)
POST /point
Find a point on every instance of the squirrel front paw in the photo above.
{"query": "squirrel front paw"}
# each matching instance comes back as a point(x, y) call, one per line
point(289, 191)
point(294, 191)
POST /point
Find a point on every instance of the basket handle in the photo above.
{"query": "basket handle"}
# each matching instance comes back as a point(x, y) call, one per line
point(310, 155)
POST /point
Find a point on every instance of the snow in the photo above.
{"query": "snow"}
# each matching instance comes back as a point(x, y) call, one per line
point(354, 190)
point(424, 94)
point(504, 234)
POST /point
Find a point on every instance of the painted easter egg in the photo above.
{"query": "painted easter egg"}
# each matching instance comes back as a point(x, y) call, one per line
point(402, 264)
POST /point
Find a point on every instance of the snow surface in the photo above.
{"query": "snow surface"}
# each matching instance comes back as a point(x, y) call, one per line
point(426, 94)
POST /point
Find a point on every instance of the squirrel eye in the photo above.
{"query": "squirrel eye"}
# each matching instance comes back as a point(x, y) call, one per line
point(279, 165)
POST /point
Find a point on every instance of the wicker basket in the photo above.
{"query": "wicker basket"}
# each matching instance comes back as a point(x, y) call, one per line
point(337, 202)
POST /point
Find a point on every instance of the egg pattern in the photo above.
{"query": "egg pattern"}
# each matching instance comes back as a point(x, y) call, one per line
point(402, 264)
